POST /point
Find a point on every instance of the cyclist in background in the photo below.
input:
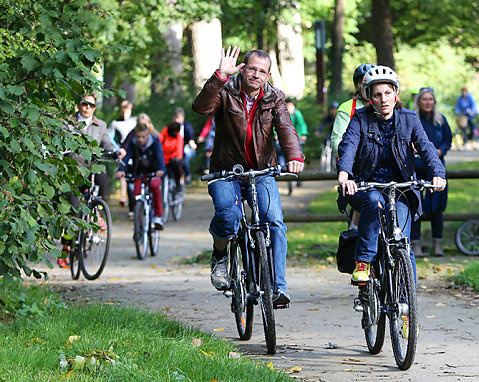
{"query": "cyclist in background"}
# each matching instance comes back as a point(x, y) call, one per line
point(466, 106)
point(246, 107)
point(346, 109)
point(378, 147)
point(172, 142)
point(146, 155)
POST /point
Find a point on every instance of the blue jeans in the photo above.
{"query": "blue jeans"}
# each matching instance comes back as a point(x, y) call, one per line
point(188, 154)
point(366, 202)
point(226, 222)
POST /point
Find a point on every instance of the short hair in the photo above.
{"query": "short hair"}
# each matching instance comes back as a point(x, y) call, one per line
point(178, 111)
point(141, 126)
point(82, 98)
point(173, 127)
point(289, 100)
point(125, 104)
point(259, 53)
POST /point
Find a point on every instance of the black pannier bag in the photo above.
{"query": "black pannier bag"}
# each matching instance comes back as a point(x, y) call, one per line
point(346, 247)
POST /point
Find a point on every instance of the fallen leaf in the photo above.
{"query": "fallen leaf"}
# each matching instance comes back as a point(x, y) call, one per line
point(214, 380)
point(352, 360)
point(441, 304)
point(348, 369)
point(313, 309)
point(218, 330)
point(165, 308)
point(113, 278)
point(109, 303)
point(197, 341)
point(233, 355)
point(432, 316)
point(153, 265)
point(333, 346)
point(296, 369)
point(270, 365)
point(71, 339)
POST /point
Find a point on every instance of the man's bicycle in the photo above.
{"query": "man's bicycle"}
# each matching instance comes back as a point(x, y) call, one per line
point(173, 198)
point(467, 237)
point(145, 235)
point(91, 248)
point(391, 289)
point(251, 266)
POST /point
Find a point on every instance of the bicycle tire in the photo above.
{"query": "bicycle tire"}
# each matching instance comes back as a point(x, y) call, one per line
point(241, 306)
point(95, 246)
point(177, 207)
point(374, 320)
point(266, 297)
point(467, 238)
point(165, 191)
point(75, 258)
point(404, 340)
point(142, 223)
point(153, 237)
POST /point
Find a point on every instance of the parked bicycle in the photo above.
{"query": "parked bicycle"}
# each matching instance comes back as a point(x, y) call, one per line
point(90, 251)
point(173, 198)
point(145, 235)
point(391, 289)
point(467, 237)
point(251, 266)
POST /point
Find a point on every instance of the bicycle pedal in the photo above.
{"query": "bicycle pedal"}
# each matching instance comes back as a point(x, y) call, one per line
point(282, 306)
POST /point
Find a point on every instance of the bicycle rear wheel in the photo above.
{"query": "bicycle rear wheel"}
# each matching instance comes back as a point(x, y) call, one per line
point(241, 306)
point(467, 237)
point(266, 297)
point(374, 320)
point(403, 322)
point(75, 258)
point(95, 246)
point(142, 223)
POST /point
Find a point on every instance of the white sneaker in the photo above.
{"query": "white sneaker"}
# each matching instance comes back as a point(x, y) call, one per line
point(158, 222)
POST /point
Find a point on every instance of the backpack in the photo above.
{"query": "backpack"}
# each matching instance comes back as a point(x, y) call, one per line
point(346, 247)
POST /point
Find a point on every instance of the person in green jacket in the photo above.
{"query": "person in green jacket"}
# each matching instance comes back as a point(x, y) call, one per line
point(298, 121)
point(346, 109)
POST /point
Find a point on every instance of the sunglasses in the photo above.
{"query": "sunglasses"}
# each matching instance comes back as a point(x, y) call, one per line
point(426, 89)
point(86, 103)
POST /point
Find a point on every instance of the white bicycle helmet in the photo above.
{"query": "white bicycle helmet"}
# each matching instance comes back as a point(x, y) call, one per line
point(380, 74)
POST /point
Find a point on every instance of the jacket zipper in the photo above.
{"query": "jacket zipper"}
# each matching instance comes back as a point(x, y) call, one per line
point(399, 157)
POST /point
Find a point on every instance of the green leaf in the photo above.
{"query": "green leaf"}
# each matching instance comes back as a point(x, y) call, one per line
point(16, 90)
point(29, 63)
point(91, 55)
point(33, 114)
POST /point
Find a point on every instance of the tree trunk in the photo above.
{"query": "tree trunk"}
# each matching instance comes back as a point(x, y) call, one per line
point(290, 55)
point(173, 39)
point(382, 32)
point(206, 46)
point(337, 48)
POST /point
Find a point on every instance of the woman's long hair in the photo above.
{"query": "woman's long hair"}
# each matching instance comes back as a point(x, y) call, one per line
point(437, 118)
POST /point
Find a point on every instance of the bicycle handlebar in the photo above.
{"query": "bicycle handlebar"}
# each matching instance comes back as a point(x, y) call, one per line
point(363, 186)
point(238, 171)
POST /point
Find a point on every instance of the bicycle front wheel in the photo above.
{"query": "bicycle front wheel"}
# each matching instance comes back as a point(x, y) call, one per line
point(177, 207)
point(266, 297)
point(142, 223)
point(403, 322)
point(96, 245)
point(241, 306)
point(75, 256)
point(165, 190)
point(154, 239)
point(467, 238)
point(374, 320)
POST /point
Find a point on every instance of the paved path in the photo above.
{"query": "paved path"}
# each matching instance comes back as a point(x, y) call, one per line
point(319, 333)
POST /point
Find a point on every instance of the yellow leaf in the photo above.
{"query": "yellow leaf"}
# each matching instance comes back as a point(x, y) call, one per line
point(214, 380)
point(71, 339)
point(70, 373)
point(441, 304)
point(153, 265)
point(295, 369)
point(113, 278)
point(109, 303)
point(166, 308)
point(218, 330)
point(449, 271)
point(432, 316)
point(270, 365)
point(313, 309)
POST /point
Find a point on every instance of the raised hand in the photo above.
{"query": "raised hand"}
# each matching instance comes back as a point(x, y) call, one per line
point(228, 62)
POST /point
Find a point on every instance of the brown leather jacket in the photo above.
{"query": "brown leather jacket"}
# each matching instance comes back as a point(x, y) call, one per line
point(224, 101)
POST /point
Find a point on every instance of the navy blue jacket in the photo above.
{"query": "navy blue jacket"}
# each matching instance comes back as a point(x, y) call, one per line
point(361, 144)
point(143, 160)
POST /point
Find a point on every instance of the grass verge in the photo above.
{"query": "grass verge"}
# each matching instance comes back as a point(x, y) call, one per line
point(469, 276)
point(110, 343)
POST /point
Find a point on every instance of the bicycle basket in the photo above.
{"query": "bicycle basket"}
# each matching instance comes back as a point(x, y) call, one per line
point(345, 255)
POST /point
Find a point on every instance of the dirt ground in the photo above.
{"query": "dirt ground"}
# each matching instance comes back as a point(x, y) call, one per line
point(319, 333)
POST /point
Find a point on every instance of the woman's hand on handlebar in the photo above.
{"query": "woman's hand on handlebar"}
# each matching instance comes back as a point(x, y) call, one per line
point(439, 183)
point(295, 166)
point(347, 186)
point(121, 153)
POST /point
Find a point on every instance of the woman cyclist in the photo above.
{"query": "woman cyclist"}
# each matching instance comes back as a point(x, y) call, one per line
point(378, 147)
